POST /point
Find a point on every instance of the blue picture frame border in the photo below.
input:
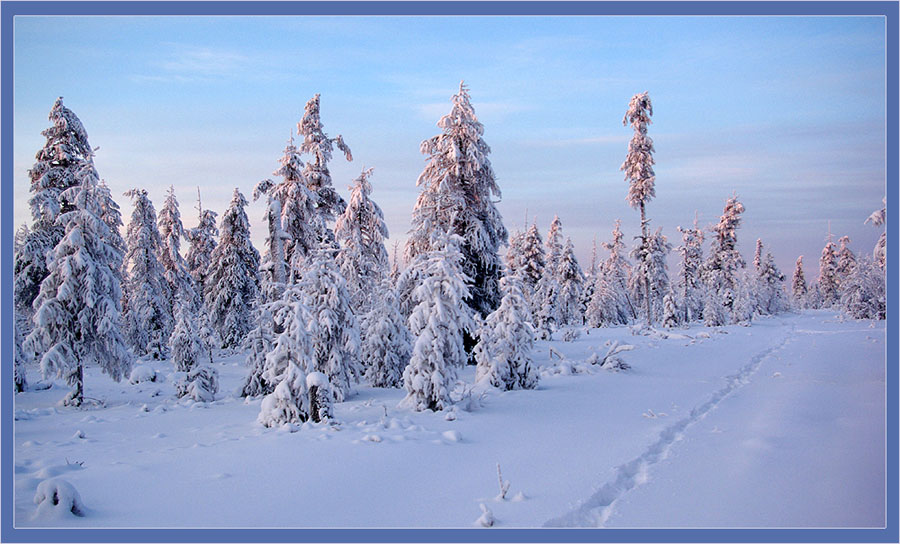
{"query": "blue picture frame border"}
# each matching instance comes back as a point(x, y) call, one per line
point(9, 10)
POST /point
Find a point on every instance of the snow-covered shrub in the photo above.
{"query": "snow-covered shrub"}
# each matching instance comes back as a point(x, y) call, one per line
point(864, 291)
point(570, 334)
point(288, 403)
point(58, 499)
point(487, 517)
point(200, 384)
point(321, 404)
point(670, 311)
point(612, 360)
point(258, 344)
point(20, 357)
point(185, 344)
point(142, 374)
point(503, 352)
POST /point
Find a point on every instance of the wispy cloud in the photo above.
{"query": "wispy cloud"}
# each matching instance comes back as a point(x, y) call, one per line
point(186, 63)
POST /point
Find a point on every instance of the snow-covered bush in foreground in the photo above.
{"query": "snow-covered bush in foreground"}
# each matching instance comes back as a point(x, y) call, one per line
point(58, 499)
point(142, 374)
point(200, 384)
point(288, 403)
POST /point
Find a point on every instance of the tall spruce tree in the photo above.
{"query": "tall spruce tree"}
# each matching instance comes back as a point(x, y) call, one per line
point(571, 287)
point(387, 343)
point(720, 271)
point(65, 152)
point(233, 281)
point(145, 314)
point(458, 188)
point(688, 286)
point(77, 322)
point(178, 280)
point(828, 278)
point(202, 244)
point(319, 146)
point(639, 174)
point(361, 231)
point(846, 261)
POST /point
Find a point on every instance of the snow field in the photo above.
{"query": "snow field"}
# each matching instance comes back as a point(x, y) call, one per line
point(709, 427)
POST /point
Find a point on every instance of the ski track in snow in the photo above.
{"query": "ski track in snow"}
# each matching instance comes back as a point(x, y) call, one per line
point(594, 511)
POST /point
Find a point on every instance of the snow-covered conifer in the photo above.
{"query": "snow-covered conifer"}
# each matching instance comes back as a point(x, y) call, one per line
point(610, 304)
point(878, 218)
point(846, 261)
point(458, 188)
point(335, 335)
point(294, 224)
point(178, 280)
point(77, 322)
point(670, 314)
point(361, 231)
point(758, 255)
point(185, 345)
point(387, 342)
point(650, 276)
point(318, 178)
point(147, 323)
point(798, 286)
point(65, 153)
point(525, 259)
point(719, 272)
point(21, 356)
point(863, 294)
point(233, 280)
point(828, 278)
point(571, 287)
point(546, 300)
point(639, 174)
point(770, 295)
point(395, 265)
point(111, 214)
point(438, 321)
point(506, 338)
point(288, 362)
point(258, 344)
point(202, 244)
point(200, 384)
point(687, 284)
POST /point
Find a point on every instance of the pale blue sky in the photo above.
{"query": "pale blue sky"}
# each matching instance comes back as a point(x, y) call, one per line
point(788, 112)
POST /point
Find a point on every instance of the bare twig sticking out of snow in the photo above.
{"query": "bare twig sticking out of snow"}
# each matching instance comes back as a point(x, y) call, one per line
point(558, 354)
point(504, 486)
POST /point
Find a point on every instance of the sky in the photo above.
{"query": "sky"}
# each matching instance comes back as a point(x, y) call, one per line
point(788, 113)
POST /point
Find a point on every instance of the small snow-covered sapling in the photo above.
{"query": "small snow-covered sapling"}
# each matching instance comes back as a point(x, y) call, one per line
point(504, 485)
point(487, 517)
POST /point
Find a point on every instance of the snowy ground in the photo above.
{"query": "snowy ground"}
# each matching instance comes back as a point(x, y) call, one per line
point(781, 424)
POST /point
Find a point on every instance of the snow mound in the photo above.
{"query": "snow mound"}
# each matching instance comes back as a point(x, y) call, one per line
point(141, 374)
point(57, 499)
point(317, 379)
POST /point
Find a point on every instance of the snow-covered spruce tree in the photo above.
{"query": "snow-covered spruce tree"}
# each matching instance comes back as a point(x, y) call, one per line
point(288, 362)
point(846, 261)
point(719, 272)
point(650, 276)
point(798, 286)
point(877, 218)
point(571, 287)
point(77, 322)
point(147, 323)
point(758, 255)
point(394, 275)
point(639, 174)
point(438, 321)
point(525, 258)
point(361, 231)
point(178, 280)
point(506, 338)
point(771, 298)
point(202, 244)
point(546, 301)
point(335, 336)
point(610, 304)
point(688, 286)
point(828, 278)
point(57, 164)
point(387, 343)
point(670, 315)
point(458, 188)
point(863, 294)
point(233, 281)
point(294, 224)
point(316, 174)
point(258, 343)
point(185, 345)
point(111, 214)
point(21, 357)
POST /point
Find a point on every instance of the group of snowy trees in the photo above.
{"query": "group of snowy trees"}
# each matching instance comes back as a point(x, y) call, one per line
point(320, 310)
